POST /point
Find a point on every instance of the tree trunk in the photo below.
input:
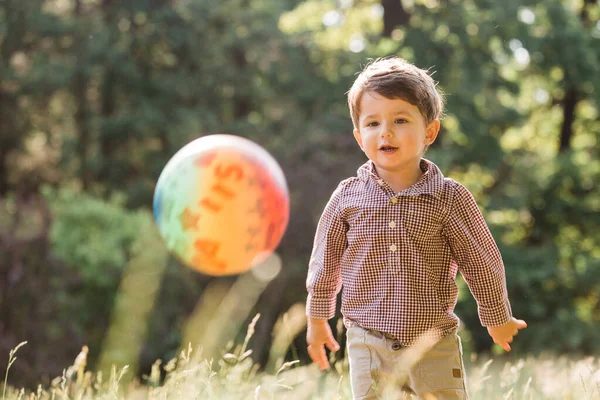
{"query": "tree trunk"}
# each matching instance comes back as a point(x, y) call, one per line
point(9, 136)
point(566, 131)
point(11, 131)
point(80, 94)
point(572, 97)
point(107, 99)
point(394, 15)
point(107, 109)
point(585, 12)
point(271, 308)
point(242, 105)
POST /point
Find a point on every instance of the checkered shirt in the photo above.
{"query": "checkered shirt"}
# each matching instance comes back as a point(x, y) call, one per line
point(396, 256)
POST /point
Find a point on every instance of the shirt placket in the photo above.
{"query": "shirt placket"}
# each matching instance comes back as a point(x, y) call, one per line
point(394, 227)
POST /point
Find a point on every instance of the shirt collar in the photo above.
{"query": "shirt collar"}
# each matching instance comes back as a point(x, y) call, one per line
point(431, 182)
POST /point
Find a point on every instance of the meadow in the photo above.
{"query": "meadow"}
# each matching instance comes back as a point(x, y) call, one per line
point(235, 376)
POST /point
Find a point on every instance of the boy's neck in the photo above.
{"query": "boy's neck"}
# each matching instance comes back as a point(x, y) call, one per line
point(402, 179)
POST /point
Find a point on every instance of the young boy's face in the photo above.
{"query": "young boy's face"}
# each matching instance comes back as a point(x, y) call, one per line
point(393, 132)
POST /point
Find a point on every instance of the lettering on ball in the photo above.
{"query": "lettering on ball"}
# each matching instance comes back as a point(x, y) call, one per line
point(267, 204)
point(219, 190)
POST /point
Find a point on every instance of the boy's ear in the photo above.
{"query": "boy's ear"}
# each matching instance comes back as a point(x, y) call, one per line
point(358, 137)
point(432, 131)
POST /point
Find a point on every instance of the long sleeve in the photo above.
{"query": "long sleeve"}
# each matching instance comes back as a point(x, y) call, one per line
point(478, 258)
point(324, 272)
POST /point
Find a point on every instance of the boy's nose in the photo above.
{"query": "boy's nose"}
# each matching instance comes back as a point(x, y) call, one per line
point(386, 132)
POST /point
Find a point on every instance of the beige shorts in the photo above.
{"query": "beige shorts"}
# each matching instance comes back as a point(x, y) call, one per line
point(381, 368)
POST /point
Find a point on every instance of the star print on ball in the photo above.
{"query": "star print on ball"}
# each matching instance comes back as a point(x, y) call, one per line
point(221, 204)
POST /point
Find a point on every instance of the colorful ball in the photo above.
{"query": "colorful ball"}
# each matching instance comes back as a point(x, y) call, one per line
point(221, 204)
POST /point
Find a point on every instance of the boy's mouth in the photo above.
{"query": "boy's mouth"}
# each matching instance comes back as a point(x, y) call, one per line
point(388, 149)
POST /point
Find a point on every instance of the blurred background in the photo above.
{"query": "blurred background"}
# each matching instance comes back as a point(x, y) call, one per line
point(97, 95)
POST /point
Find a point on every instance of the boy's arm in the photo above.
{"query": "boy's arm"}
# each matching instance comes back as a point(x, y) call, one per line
point(480, 263)
point(324, 280)
point(324, 273)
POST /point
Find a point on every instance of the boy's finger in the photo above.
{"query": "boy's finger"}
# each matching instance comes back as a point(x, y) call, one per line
point(313, 353)
point(332, 344)
point(317, 354)
point(505, 345)
point(521, 324)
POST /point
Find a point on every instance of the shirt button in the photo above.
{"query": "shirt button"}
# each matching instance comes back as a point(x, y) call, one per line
point(393, 248)
point(394, 200)
point(392, 224)
point(380, 182)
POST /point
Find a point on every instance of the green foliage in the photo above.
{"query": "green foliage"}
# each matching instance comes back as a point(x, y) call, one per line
point(93, 236)
point(95, 240)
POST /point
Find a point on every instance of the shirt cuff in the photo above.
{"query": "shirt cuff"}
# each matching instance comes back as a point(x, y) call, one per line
point(320, 307)
point(495, 316)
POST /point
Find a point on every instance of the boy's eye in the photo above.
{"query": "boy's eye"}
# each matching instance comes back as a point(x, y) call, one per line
point(374, 123)
point(401, 121)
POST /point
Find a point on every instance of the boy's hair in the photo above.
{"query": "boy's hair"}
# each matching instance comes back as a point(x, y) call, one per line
point(396, 78)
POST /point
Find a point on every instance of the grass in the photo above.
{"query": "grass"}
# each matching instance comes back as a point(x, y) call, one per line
point(235, 376)
point(11, 361)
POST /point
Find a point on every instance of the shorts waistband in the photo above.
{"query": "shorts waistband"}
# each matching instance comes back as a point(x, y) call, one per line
point(374, 332)
point(380, 334)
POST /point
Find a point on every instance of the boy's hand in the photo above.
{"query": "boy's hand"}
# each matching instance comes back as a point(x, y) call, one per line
point(503, 335)
point(319, 334)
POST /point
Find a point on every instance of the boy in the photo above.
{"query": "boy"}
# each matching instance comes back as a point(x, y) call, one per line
point(394, 238)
